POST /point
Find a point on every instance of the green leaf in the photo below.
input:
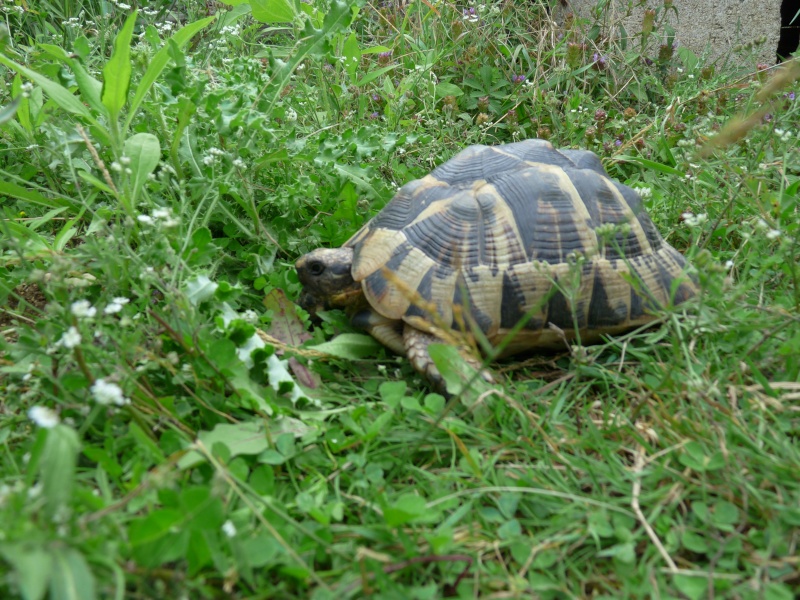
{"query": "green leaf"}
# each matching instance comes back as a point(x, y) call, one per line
point(456, 371)
point(694, 542)
point(692, 587)
point(91, 89)
point(373, 75)
point(392, 392)
point(447, 89)
point(144, 150)
point(57, 466)
point(239, 438)
point(159, 61)
point(273, 11)
point(72, 579)
point(351, 54)
point(117, 72)
point(352, 346)
point(33, 568)
point(652, 165)
point(57, 92)
point(407, 508)
point(158, 537)
point(8, 188)
point(7, 113)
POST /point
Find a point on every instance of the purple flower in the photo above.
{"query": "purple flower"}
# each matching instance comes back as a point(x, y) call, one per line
point(618, 143)
point(375, 115)
point(518, 79)
point(376, 98)
point(790, 96)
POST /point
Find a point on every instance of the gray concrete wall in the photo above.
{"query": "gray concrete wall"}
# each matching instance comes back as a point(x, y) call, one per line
point(714, 28)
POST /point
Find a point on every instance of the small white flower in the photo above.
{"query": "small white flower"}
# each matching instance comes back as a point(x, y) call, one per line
point(644, 192)
point(773, 234)
point(228, 528)
point(71, 338)
point(729, 264)
point(145, 219)
point(124, 160)
point(115, 166)
point(291, 115)
point(116, 305)
point(239, 164)
point(44, 417)
point(108, 393)
point(83, 309)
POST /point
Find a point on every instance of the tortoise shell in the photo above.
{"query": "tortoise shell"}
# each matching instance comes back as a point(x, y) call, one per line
point(513, 232)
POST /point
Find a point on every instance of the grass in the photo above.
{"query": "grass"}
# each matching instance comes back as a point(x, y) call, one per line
point(172, 425)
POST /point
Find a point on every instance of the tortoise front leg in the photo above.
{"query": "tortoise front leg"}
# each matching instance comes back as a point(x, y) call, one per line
point(416, 344)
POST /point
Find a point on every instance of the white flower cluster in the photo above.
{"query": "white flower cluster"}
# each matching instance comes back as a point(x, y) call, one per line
point(44, 417)
point(693, 220)
point(107, 393)
point(783, 135)
point(116, 305)
point(212, 156)
point(83, 309)
point(70, 338)
point(160, 216)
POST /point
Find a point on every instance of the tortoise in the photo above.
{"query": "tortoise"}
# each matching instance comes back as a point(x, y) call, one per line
point(517, 236)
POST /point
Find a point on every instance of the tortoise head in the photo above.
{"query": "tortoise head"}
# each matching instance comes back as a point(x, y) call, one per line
point(327, 280)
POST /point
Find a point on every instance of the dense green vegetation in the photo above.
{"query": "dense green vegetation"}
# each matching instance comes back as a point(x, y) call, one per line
point(173, 426)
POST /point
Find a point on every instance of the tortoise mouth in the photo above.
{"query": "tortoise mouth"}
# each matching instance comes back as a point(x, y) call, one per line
point(343, 299)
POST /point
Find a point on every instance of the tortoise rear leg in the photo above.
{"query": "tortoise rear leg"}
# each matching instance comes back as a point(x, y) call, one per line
point(416, 344)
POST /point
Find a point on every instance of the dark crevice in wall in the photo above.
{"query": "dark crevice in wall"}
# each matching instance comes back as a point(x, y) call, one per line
point(790, 29)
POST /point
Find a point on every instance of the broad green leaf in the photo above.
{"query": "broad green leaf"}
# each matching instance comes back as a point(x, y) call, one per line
point(456, 372)
point(144, 150)
point(693, 588)
point(652, 165)
point(392, 392)
point(117, 72)
point(285, 325)
point(72, 579)
point(447, 89)
point(351, 55)
point(408, 508)
point(352, 346)
point(57, 466)
point(159, 61)
point(373, 75)
point(273, 11)
point(8, 188)
point(33, 568)
point(7, 112)
point(200, 289)
point(159, 537)
point(35, 244)
point(57, 92)
point(96, 182)
point(90, 88)
point(240, 439)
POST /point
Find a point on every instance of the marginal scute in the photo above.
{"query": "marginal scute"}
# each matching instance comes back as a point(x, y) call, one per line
point(519, 235)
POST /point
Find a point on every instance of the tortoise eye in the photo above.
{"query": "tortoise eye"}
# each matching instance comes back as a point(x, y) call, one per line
point(316, 268)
